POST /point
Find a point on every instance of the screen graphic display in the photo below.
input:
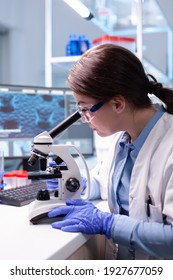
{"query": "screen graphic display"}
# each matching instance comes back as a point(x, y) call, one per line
point(25, 115)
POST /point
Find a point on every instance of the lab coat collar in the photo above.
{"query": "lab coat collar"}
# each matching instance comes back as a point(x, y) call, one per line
point(137, 144)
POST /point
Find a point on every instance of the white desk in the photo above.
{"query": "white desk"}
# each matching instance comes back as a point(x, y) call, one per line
point(21, 240)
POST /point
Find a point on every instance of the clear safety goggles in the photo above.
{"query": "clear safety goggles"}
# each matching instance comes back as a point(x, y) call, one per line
point(87, 112)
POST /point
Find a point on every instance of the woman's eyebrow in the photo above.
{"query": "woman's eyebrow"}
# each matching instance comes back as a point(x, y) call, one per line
point(81, 103)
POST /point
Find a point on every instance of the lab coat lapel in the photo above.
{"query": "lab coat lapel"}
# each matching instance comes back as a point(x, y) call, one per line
point(141, 173)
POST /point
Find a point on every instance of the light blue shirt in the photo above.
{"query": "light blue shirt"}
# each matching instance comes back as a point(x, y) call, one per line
point(125, 160)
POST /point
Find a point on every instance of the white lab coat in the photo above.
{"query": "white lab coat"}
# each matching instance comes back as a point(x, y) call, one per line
point(152, 175)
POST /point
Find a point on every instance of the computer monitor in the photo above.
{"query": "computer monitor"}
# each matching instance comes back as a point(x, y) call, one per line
point(27, 111)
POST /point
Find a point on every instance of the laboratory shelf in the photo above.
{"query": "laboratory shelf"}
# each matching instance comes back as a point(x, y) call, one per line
point(122, 17)
point(64, 62)
point(118, 18)
point(64, 59)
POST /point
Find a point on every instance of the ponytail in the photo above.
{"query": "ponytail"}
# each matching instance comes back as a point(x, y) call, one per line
point(163, 93)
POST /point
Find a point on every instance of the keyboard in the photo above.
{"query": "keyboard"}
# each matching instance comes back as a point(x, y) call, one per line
point(23, 195)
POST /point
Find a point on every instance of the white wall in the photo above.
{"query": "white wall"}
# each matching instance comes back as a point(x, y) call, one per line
point(21, 56)
point(22, 47)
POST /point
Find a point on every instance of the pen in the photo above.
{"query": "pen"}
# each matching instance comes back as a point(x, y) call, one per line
point(149, 202)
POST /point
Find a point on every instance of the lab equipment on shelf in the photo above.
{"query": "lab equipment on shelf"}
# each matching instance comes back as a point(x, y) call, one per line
point(77, 45)
point(126, 42)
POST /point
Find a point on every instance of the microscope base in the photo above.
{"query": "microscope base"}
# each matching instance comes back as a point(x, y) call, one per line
point(38, 211)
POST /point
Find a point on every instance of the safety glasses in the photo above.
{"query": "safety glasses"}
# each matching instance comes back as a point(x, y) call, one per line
point(87, 112)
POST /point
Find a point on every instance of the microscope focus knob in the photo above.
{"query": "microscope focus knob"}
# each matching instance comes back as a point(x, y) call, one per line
point(72, 184)
point(43, 195)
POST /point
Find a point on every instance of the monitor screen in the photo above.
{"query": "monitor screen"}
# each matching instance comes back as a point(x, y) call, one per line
point(24, 115)
point(26, 112)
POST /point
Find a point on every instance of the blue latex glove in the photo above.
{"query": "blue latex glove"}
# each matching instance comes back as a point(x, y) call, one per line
point(82, 216)
point(52, 184)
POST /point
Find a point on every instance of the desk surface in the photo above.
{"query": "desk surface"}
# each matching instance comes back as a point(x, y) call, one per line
point(21, 240)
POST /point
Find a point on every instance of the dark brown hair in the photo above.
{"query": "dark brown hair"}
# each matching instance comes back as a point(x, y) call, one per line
point(108, 70)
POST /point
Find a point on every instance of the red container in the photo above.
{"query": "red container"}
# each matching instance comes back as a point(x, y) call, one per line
point(126, 42)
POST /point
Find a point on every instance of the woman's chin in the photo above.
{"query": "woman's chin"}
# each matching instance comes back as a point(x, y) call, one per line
point(102, 134)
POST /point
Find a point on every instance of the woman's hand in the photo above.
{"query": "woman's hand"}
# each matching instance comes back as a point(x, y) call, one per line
point(82, 216)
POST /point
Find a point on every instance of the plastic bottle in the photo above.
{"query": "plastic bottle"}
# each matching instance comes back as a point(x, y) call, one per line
point(2, 185)
point(22, 178)
point(74, 45)
point(9, 179)
point(68, 48)
point(84, 44)
point(15, 178)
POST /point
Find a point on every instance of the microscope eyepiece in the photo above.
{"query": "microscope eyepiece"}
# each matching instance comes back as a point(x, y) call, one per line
point(65, 124)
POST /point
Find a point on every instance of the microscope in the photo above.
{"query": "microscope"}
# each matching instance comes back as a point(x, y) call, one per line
point(68, 173)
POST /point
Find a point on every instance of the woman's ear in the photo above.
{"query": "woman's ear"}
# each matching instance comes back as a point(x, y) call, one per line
point(118, 103)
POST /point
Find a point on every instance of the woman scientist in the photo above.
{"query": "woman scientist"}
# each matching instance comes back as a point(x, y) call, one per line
point(111, 90)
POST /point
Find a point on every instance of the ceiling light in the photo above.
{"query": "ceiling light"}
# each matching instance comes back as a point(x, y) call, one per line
point(80, 8)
